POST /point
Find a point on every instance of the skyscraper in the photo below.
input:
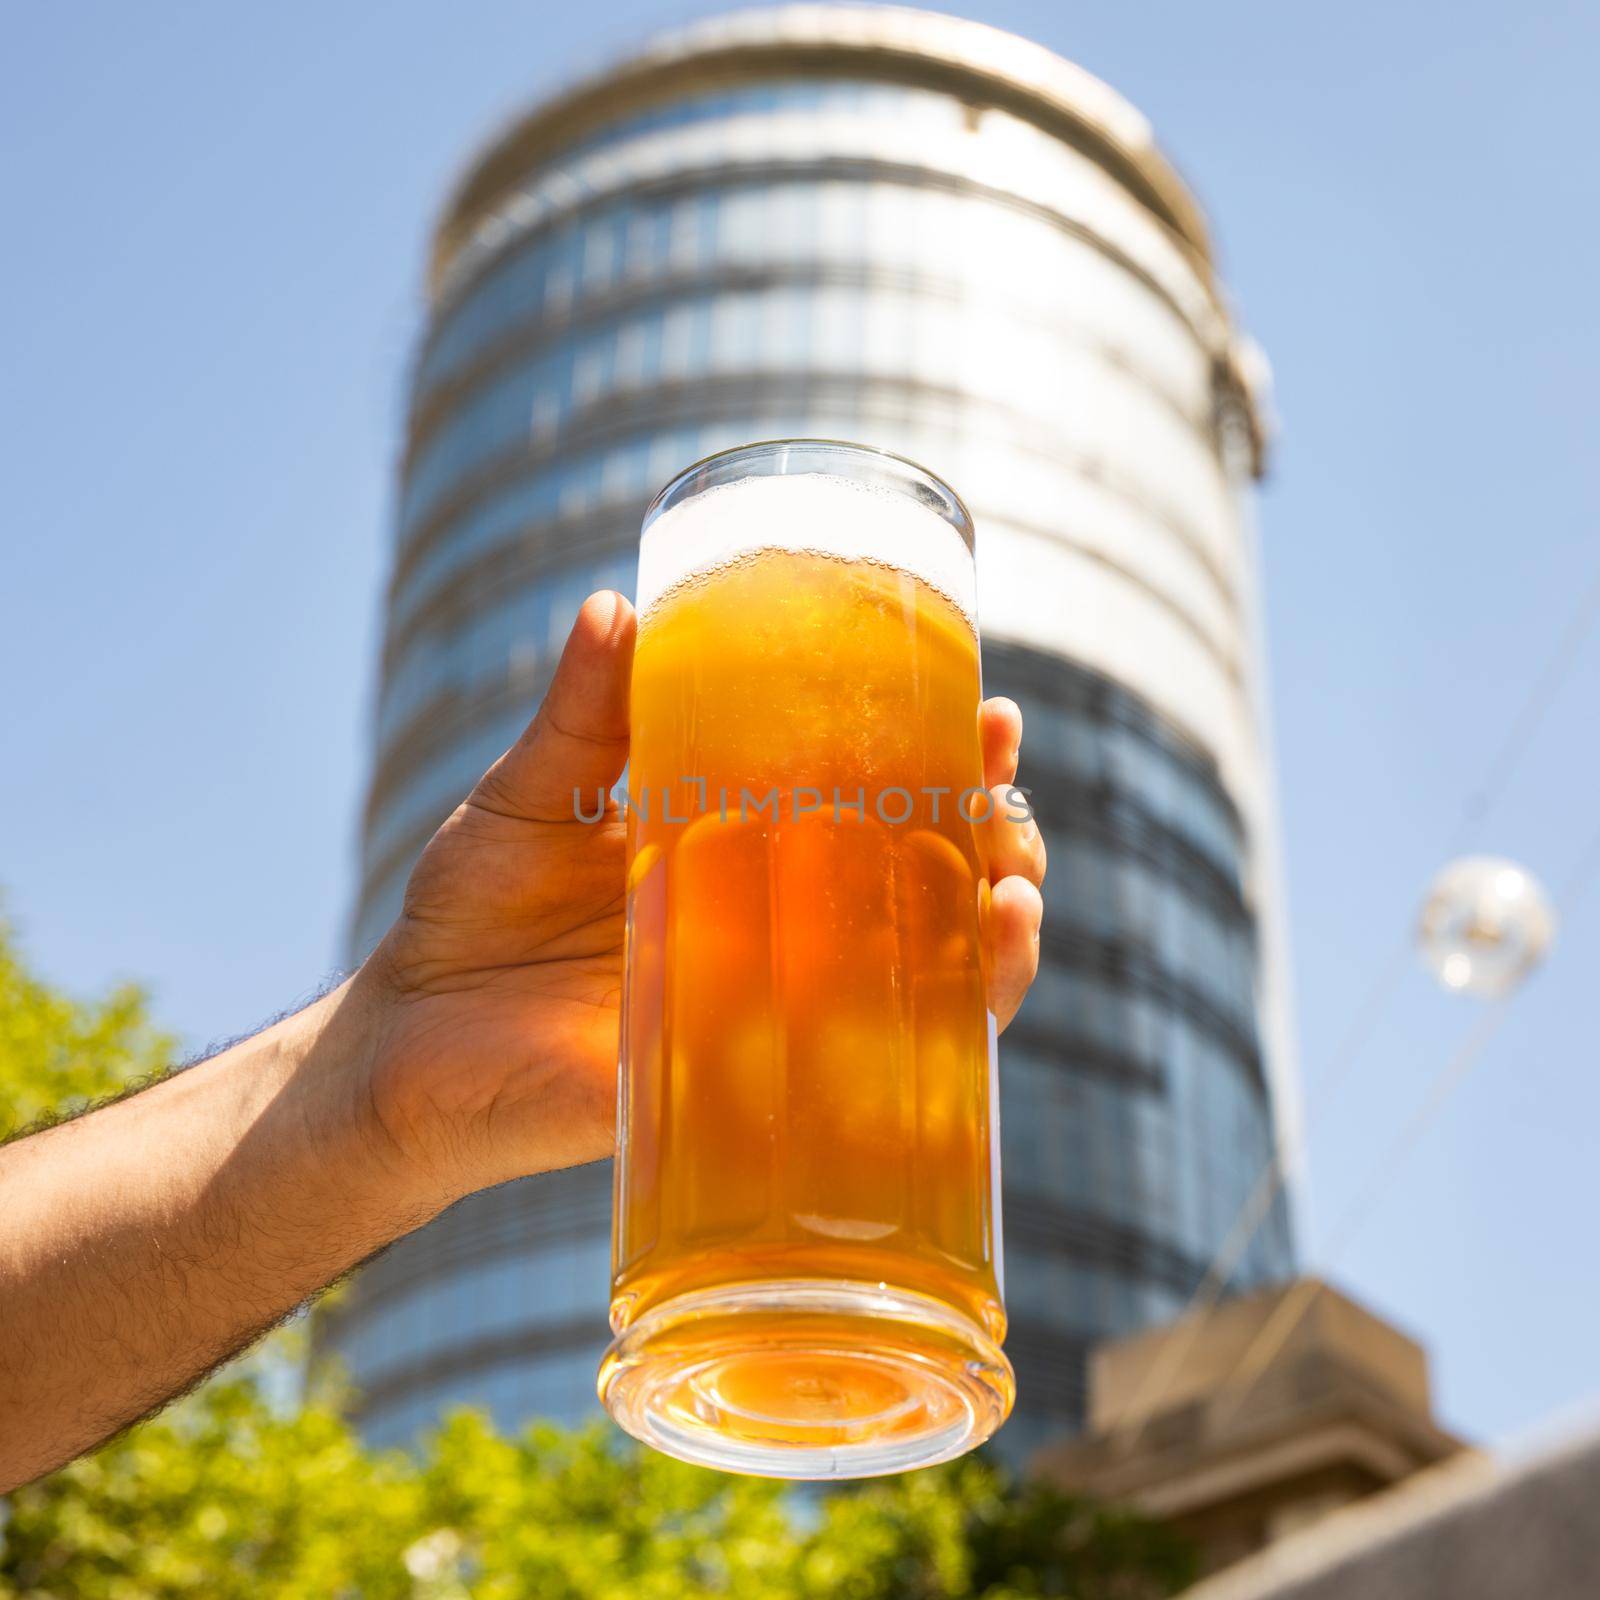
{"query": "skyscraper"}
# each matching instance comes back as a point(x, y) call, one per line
point(924, 234)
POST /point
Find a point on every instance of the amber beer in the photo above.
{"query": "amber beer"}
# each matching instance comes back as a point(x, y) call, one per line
point(807, 1234)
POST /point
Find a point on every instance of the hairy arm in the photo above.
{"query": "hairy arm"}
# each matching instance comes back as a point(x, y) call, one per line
point(147, 1241)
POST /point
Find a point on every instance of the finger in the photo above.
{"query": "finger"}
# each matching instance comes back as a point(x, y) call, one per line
point(1009, 838)
point(1000, 734)
point(1016, 913)
point(578, 741)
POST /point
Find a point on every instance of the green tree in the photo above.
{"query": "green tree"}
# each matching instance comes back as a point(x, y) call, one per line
point(233, 1493)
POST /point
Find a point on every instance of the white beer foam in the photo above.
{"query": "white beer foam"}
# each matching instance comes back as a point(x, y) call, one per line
point(817, 513)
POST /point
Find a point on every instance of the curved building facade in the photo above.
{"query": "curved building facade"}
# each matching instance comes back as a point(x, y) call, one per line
point(924, 234)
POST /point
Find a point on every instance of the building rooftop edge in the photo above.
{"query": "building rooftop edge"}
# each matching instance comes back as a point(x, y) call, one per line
point(813, 39)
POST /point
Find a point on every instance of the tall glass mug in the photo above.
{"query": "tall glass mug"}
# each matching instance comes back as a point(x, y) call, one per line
point(807, 1236)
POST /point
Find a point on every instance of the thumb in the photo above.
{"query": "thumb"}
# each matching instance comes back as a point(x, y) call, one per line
point(579, 738)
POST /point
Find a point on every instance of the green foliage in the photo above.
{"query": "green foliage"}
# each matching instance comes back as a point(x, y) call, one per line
point(231, 1494)
point(221, 1497)
point(227, 1498)
point(1029, 1539)
point(969, 1531)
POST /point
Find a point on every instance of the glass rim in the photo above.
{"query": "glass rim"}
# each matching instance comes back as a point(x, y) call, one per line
point(952, 508)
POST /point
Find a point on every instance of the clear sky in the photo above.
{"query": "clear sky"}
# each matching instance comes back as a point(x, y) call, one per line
point(215, 219)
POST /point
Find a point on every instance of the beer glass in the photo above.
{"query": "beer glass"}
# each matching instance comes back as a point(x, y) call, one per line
point(806, 1252)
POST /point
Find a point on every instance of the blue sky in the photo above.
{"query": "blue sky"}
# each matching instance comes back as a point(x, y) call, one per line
point(216, 219)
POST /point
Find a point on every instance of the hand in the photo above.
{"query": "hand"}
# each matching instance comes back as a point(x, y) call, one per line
point(495, 998)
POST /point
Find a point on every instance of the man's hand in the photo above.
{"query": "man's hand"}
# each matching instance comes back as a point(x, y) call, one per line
point(497, 992)
point(499, 988)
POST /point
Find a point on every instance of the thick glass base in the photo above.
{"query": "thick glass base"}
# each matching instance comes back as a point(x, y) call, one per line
point(807, 1379)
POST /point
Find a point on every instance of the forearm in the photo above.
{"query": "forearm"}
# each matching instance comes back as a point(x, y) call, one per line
point(143, 1243)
